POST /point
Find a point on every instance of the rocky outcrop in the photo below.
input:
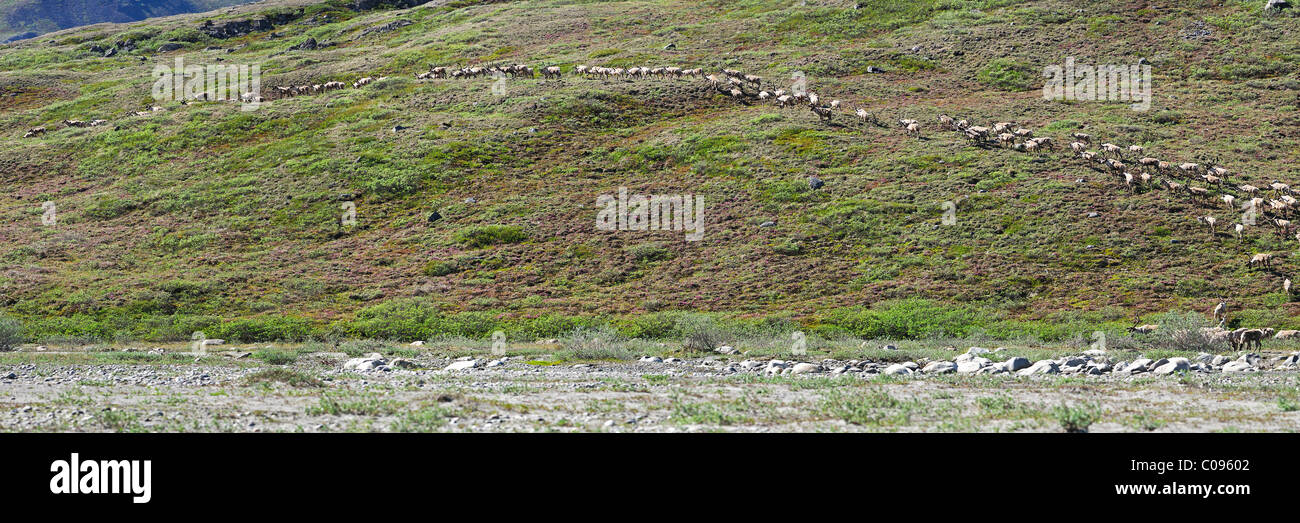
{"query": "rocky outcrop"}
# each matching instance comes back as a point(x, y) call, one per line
point(366, 5)
point(237, 28)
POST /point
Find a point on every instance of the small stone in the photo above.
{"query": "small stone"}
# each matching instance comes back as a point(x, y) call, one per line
point(897, 370)
point(651, 359)
point(417, 343)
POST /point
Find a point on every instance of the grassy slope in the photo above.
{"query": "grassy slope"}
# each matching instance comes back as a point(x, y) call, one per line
point(208, 211)
point(42, 16)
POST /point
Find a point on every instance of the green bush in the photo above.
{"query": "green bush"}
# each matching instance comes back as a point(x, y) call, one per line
point(1007, 75)
point(1077, 419)
point(1183, 331)
point(275, 328)
point(908, 319)
point(440, 268)
point(276, 357)
point(11, 333)
point(649, 252)
point(699, 332)
point(108, 207)
point(485, 236)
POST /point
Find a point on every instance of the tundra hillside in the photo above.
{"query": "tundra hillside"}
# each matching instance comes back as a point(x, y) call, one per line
point(202, 216)
point(21, 19)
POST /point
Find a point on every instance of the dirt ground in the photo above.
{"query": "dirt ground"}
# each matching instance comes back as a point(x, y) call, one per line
point(228, 391)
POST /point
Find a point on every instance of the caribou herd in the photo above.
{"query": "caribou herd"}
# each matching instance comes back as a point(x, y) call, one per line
point(1132, 168)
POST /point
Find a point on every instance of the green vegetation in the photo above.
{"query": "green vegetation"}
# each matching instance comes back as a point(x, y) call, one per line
point(1076, 418)
point(287, 377)
point(204, 217)
point(11, 333)
point(1008, 75)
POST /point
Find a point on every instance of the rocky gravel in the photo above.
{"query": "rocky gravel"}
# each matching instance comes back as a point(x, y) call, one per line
point(979, 389)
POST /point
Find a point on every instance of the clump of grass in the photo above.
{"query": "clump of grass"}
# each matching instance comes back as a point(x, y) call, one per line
point(428, 419)
point(336, 406)
point(276, 357)
point(285, 376)
point(1077, 419)
point(1007, 75)
point(1288, 404)
point(649, 252)
point(594, 343)
point(872, 408)
point(1145, 421)
point(489, 235)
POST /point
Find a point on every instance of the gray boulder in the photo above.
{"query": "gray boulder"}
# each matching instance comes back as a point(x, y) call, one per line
point(1172, 365)
point(1015, 364)
point(1041, 367)
point(939, 367)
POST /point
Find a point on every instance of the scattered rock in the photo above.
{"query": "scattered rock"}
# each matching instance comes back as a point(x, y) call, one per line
point(939, 367)
point(1040, 367)
point(370, 361)
point(1015, 364)
point(1238, 366)
point(806, 368)
point(897, 370)
point(380, 29)
point(1139, 365)
point(1172, 365)
point(462, 365)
